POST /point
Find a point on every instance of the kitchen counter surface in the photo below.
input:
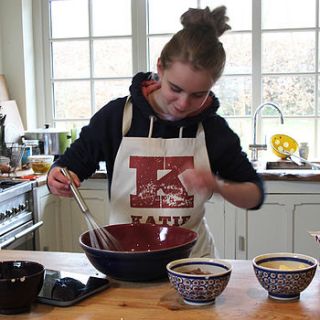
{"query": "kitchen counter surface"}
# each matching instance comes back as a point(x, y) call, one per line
point(290, 175)
point(267, 175)
point(243, 298)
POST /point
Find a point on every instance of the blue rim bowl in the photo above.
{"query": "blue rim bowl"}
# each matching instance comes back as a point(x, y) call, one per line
point(199, 280)
point(284, 275)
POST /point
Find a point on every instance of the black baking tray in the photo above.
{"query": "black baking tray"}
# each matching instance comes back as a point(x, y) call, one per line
point(62, 288)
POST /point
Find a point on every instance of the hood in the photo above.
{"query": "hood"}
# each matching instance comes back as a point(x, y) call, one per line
point(140, 102)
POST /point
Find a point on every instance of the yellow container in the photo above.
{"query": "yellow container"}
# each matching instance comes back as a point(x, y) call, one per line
point(282, 142)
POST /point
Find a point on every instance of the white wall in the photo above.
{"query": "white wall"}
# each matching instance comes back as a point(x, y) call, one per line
point(1, 72)
point(17, 56)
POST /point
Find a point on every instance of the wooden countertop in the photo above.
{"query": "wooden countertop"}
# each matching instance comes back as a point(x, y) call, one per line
point(243, 298)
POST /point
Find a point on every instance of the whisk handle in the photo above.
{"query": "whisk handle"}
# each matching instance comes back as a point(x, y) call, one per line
point(75, 191)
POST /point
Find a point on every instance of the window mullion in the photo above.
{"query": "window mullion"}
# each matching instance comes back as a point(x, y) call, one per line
point(92, 89)
point(256, 59)
point(139, 35)
point(256, 54)
point(316, 121)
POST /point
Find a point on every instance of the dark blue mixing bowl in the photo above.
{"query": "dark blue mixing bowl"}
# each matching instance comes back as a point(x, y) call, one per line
point(146, 250)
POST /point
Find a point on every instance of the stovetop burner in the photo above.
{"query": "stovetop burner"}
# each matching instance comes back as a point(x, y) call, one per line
point(5, 184)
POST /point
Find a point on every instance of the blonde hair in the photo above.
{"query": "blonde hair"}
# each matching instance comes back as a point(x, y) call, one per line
point(198, 42)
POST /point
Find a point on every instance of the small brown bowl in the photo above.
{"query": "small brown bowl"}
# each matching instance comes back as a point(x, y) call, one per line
point(20, 283)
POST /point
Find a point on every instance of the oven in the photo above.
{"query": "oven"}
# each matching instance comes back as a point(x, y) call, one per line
point(18, 226)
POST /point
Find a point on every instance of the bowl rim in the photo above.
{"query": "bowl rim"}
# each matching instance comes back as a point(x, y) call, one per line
point(226, 266)
point(42, 270)
point(126, 252)
point(287, 256)
point(41, 156)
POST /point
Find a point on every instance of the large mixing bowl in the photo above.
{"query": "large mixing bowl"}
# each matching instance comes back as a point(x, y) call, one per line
point(146, 250)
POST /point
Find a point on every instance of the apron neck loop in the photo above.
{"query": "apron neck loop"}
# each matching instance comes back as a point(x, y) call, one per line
point(151, 126)
point(180, 132)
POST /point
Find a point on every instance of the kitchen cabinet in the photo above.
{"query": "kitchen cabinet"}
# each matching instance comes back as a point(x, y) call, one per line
point(291, 209)
point(73, 223)
point(46, 207)
point(215, 217)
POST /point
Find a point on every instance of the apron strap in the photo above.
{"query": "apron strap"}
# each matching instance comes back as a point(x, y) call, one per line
point(127, 119)
point(127, 116)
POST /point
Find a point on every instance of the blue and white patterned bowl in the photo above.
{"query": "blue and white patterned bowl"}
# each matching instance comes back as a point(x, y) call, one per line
point(199, 280)
point(284, 275)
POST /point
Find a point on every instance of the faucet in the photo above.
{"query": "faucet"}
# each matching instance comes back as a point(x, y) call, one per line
point(255, 147)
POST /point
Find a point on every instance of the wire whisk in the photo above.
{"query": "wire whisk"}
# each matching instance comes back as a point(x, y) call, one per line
point(100, 238)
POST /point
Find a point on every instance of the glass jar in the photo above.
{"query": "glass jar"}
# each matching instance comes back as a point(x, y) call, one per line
point(304, 150)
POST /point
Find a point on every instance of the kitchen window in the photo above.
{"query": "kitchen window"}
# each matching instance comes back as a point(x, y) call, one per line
point(96, 46)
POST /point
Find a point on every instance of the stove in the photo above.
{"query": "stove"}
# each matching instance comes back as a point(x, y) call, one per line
point(17, 221)
point(6, 184)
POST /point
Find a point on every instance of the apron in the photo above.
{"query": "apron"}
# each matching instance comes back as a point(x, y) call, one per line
point(147, 185)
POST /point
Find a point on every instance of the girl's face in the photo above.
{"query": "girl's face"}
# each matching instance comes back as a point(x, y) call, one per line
point(183, 91)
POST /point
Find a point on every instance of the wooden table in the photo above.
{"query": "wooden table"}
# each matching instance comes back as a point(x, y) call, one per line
point(243, 298)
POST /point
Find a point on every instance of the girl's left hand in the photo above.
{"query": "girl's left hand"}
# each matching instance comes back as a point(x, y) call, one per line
point(199, 181)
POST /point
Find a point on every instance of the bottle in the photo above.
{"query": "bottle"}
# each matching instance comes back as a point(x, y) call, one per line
point(304, 150)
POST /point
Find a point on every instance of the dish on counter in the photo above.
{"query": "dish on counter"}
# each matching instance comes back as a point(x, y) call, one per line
point(199, 280)
point(282, 143)
point(20, 282)
point(284, 275)
point(40, 164)
point(147, 248)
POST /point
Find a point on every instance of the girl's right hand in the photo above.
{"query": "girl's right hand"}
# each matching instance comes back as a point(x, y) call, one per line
point(59, 185)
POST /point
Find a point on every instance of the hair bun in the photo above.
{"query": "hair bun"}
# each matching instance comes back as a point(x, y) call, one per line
point(215, 19)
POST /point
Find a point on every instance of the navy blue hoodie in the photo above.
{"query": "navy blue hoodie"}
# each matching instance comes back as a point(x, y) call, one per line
point(101, 138)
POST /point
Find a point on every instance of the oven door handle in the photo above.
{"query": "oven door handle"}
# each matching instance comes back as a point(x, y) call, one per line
point(28, 230)
point(7, 242)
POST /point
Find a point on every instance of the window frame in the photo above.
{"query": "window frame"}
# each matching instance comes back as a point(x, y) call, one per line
point(140, 62)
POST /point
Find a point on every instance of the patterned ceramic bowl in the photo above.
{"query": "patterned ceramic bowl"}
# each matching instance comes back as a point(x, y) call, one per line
point(199, 280)
point(284, 275)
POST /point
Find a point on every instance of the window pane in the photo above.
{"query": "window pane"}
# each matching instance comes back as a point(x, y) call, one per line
point(317, 151)
point(277, 57)
point(319, 99)
point(72, 99)
point(106, 90)
point(111, 18)
point(277, 14)
point(156, 44)
point(238, 51)
point(112, 58)
point(234, 8)
point(234, 94)
point(63, 59)
point(69, 18)
point(301, 130)
point(164, 15)
point(242, 127)
point(294, 94)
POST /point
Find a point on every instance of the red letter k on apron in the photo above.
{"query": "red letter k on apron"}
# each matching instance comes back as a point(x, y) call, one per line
point(147, 185)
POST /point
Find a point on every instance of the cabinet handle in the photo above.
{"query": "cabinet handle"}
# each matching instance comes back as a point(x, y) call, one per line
point(242, 243)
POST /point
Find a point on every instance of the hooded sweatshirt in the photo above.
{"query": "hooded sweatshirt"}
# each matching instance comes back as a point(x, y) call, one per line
point(101, 138)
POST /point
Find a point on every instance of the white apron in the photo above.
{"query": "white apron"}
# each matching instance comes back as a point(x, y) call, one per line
point(146, 187)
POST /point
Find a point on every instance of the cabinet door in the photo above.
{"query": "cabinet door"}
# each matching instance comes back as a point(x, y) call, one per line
point(268, 229)
point(47, 207)
point(282, 224)
point(216, 222)
point(73, 221)
point(306, 215)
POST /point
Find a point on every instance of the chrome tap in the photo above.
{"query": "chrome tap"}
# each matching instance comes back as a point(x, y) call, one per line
point(255, 147)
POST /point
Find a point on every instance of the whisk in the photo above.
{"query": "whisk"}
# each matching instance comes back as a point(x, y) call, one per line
point(100, 238)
